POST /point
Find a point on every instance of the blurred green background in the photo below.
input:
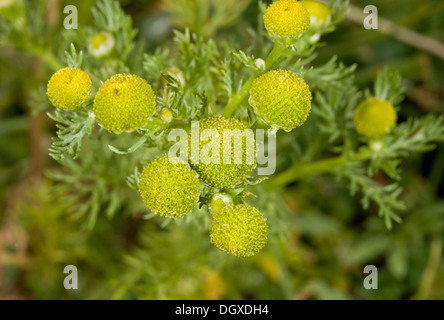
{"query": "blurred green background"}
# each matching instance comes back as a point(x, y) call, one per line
point(328, 238)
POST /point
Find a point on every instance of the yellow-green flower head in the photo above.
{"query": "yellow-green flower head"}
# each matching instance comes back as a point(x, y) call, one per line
point(281, 98)
point(240, 230)
point(101, 44)
point(69, 89)
point(125, 102)
point(286, 20)
point(374, 117)
point(235, 160)
point(169, 187)
point(319, 13)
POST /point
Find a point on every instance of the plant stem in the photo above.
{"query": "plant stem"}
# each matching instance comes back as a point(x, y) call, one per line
point(240, 96)
point(430, 271)
point(273, 57)
point(298, 170)
point(48, 58)
point(401, 33)
point(159, 124)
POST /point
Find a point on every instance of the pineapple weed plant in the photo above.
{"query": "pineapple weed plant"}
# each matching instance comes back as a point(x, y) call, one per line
point(125, 103)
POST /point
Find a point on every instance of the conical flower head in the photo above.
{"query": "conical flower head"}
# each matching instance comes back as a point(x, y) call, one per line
point(225, 151)
point(286, 20)
point(281, 98)
point(169, 187)
point(374, 117)
point(69, 89)
point(240, 230)
point(125, 102)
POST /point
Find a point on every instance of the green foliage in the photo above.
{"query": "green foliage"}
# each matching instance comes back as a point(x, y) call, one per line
point(205, 17)
point(388, 86)
point(110, 17)
point(73, 127)
point(385, 196)
point(329, 205)
point(74, 59)
point(414, 136)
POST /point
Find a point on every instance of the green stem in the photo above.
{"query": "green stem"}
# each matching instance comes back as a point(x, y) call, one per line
point(430, 271)
point(273, 57)
point(298, 170)
point(159, 124)
point(241, 95)
point(48, 58)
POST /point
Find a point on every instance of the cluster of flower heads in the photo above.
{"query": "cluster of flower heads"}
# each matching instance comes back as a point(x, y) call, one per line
point(171, 186)
point(282, 99)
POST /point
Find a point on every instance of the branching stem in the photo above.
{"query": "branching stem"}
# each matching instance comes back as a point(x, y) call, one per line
point(240, 96)
point(298, 171)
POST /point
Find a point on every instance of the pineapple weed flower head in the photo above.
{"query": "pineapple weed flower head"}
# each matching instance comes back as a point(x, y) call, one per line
point(281, 98)
point(374, 117)
point(240, 230)
point(69, 89)
point(218, 172)
point(125, 102)
point(286, 20)
point(169, 187)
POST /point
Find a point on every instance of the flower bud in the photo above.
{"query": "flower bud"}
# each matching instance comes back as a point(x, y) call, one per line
point(240, 230)
point(69, 89)
point(259, 64)
point(101, 44)
point(169, 187)
point(166, 115)
point(281, 98)
point(125, 102)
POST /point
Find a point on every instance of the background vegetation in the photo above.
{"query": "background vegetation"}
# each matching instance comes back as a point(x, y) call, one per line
point(321, 237)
